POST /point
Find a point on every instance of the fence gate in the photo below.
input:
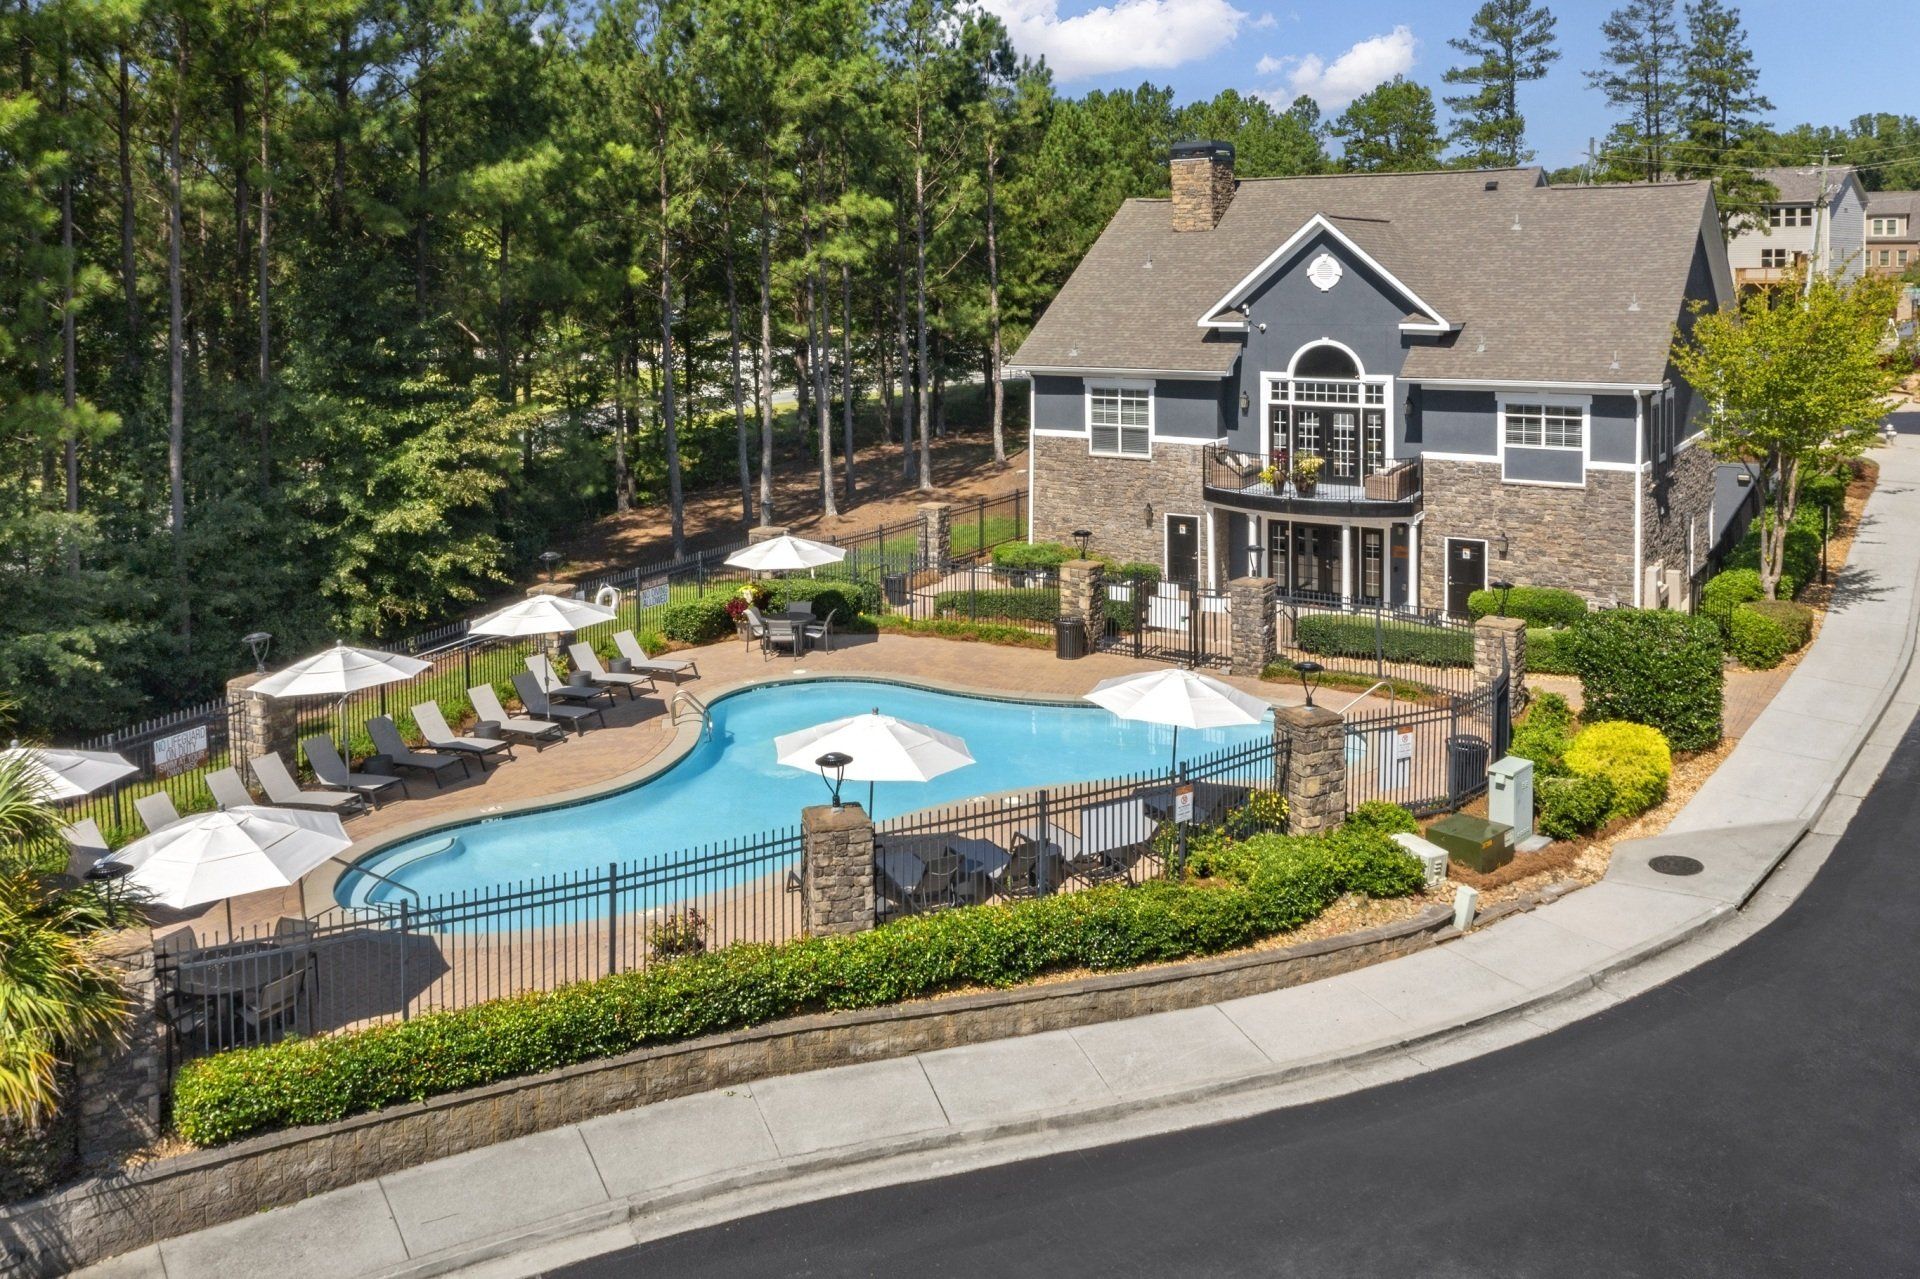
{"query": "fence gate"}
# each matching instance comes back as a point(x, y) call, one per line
point(1181, 622)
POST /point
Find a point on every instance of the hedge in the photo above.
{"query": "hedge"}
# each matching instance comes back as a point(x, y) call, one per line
point(851, 598)
point(1567, 807)
point(1032, 555)
point(1726, 591)
point(1761, 633)
point(1547, 651)
point(960, 629)
point(1335, 636)
point(697, 621)
point(1633, 758)
point(1535, 605)
point(1271, 884)
point(1015, 603)
point(1544, 735)
point(1651, 666)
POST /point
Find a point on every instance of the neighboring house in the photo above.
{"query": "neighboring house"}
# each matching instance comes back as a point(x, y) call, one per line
point(1818, 220)
point(1893, 240)
point(1480, 360)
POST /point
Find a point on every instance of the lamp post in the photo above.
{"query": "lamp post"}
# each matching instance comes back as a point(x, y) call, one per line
point(1082, 537)
point(1307, 671)
point(258, 642)
point(1503, 588)
point(548, 559)
point(833, 771)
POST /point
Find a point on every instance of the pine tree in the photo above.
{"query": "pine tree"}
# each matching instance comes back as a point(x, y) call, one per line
point(1642, 77)
point(1512, 43)
point(1390, 127)
point(1720, 108)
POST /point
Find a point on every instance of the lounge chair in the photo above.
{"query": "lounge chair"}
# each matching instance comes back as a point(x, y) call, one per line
point(331, 769)
point(433, 726)
point(87, 846)
point(585, 659)
point(535, 699)
point(387, 740)
point(281, 789)
point(678, 667)
point(157, 810)
point(558, 690)
point(227, 789)
point(486, 704)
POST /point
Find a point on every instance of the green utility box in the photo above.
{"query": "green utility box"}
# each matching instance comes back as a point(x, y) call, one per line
point(1474, 842)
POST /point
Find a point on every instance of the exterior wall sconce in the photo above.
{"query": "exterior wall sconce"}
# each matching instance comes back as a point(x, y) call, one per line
point(1505, 545)
point(1149, 514)
point(1245, 402)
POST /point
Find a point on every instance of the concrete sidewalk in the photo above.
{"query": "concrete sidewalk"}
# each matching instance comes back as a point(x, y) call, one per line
point(1804, 765)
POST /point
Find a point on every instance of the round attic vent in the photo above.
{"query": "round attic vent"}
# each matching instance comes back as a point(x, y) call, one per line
point(1325, 271)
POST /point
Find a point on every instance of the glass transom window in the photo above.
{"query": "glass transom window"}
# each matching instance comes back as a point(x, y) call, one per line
point(1118, 418)
point(1544, 426)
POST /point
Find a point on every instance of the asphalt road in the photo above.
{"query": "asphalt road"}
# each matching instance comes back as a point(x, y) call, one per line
point(1757, 1116)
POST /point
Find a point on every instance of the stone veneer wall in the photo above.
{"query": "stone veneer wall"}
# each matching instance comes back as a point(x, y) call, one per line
point(1109, 495)
point(1577, 538)
point(1684, 491)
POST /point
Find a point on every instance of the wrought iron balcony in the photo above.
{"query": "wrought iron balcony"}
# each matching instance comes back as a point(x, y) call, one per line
point(1248, 481)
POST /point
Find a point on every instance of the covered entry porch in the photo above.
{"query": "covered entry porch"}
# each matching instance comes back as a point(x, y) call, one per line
point(1351, 562)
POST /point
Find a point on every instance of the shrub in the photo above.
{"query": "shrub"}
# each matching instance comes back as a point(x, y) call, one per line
point(1033, 555)
point(1335, 636)
point(652, 641)
point(697, 621)
point(1547, 652)
point(1551, 708)
point(851, 598)
point(1824, 488)
point(1263, 811)
point(679, 935)
point(1762, 632)
point(1385, 818)
point(1652, 666)
point(1544, 735)
point(1136, 571)
point(1535, 605)
point(1726, 591)
point(1632, 757)
point(1018, 603)
point(956, 629)
point(1276, 883)
point(1566, 807)
point(1799, 557)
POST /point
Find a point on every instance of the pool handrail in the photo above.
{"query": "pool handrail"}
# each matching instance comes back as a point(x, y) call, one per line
point(699, 707)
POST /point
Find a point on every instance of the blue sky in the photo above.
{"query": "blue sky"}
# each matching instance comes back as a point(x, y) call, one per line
point(1826, 62)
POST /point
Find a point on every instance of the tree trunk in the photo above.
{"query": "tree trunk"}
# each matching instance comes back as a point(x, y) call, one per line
point(622, 499)
point(766, 361)
point(342, 107)
point(422, 174)
point(264, 411)
point(994, 388)
point(669, 433)
point(503, 303)
point(733, 352)
point(176, 356)
point(925, 479)
point(69, 384)
point(846, 375)
point(903, 330)
point(129, 272)
point(883, 371)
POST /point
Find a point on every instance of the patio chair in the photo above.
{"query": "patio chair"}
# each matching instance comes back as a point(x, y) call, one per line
point(935, 889)
point(274, 1000)
point(387, 740)
point(559, 690)
point(678, 667)
point(776, 632)
point(331, 769)
point(535, 699)
point(823, 630)
point(86, 846)
point(227, 789)
point(433, 727)
point(1022, 878)
point(282, 790)
point(156, 810)
point(486, 704)
point(585, 659)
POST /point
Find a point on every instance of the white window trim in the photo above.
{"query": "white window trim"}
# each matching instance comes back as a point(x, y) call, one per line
point(1090, 385)
point(1388, 405)
point(1216, 317)
point(1446, 565)
point(1582, 402)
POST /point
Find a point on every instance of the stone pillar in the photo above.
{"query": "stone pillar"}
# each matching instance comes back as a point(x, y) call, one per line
point(120, 1092)
point(1316, 776)
point(260, 725)
point(936, 536)
point(1501, 643)
point(1251, 605)
point(1083, 596)
point(837, 869)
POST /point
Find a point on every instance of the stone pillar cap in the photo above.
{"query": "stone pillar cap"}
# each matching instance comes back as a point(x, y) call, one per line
point(562, 589)
point(824, 817)
point(1503, 623)
point(1307, 716)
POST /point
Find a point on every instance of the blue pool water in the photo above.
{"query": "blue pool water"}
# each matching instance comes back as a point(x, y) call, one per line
point(730, 787)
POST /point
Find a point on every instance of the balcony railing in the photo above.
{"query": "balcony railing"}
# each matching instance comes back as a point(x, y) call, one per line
point(1248, 476)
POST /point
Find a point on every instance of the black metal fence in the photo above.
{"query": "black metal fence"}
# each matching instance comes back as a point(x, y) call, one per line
point(396, 954)
point(173, 753)
point(977, 591)
point(1427, 647)
point(1170, 621)
point(1122, 831)
point(1429, 758)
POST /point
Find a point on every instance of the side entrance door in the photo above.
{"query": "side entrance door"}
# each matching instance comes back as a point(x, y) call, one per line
point(1183, 548)
point(1466, 572)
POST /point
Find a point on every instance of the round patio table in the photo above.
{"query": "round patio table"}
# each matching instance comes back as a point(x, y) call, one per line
point(236, 974)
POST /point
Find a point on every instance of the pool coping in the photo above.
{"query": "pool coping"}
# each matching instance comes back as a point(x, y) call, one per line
point(320, 883)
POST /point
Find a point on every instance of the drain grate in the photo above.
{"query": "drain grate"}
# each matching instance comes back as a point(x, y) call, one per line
point(1671, 864)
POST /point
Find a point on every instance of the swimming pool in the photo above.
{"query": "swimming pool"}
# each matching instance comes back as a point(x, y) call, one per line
point(729, 786)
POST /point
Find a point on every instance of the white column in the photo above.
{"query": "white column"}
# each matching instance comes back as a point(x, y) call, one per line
point(1346, 565)
point(1413, 563)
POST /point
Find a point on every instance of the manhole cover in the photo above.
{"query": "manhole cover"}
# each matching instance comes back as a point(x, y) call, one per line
point(1671, 864)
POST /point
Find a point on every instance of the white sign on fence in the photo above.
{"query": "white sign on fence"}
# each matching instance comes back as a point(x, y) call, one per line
point(653, 596)
point(1396, 761)
point(180, 752)
point(1183, 803)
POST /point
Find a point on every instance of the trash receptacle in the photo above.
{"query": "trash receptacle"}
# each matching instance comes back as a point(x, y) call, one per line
point(1069, 638)
point(1467, 757)
point(894, 587)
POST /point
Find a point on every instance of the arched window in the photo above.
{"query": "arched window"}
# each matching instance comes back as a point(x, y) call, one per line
point(1327, 408)
point(1325, 361)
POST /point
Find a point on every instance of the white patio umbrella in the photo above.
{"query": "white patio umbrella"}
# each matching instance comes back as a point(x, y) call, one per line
point(211, 857)
point(1180, 698)
point(338, 671)
point(541, 615)
point(780, 554)
point(66, 774)
point(880, 747)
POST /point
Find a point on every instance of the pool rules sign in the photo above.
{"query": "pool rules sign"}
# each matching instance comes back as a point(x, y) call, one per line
point(1183, 804)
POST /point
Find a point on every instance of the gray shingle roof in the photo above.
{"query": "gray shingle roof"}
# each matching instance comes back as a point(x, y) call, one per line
point(1551, 301)
point(1893, 202)
point(1800, 184)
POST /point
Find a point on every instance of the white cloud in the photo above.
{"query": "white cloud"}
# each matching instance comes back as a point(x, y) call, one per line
point(1120, 36)
point(1334, 84)
point(1264, 22)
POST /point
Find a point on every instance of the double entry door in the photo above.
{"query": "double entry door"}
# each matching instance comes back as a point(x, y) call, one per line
point(1305, 559)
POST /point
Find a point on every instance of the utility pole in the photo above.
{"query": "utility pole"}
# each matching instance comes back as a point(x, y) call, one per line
point(1819, 227)
point(1593, 162)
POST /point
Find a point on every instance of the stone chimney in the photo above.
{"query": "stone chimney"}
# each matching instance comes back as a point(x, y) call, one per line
point(1202, 184)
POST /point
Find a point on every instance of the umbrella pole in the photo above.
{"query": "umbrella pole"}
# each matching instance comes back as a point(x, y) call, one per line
point(1173, 765)
point(869, 801)
point(230, 936)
